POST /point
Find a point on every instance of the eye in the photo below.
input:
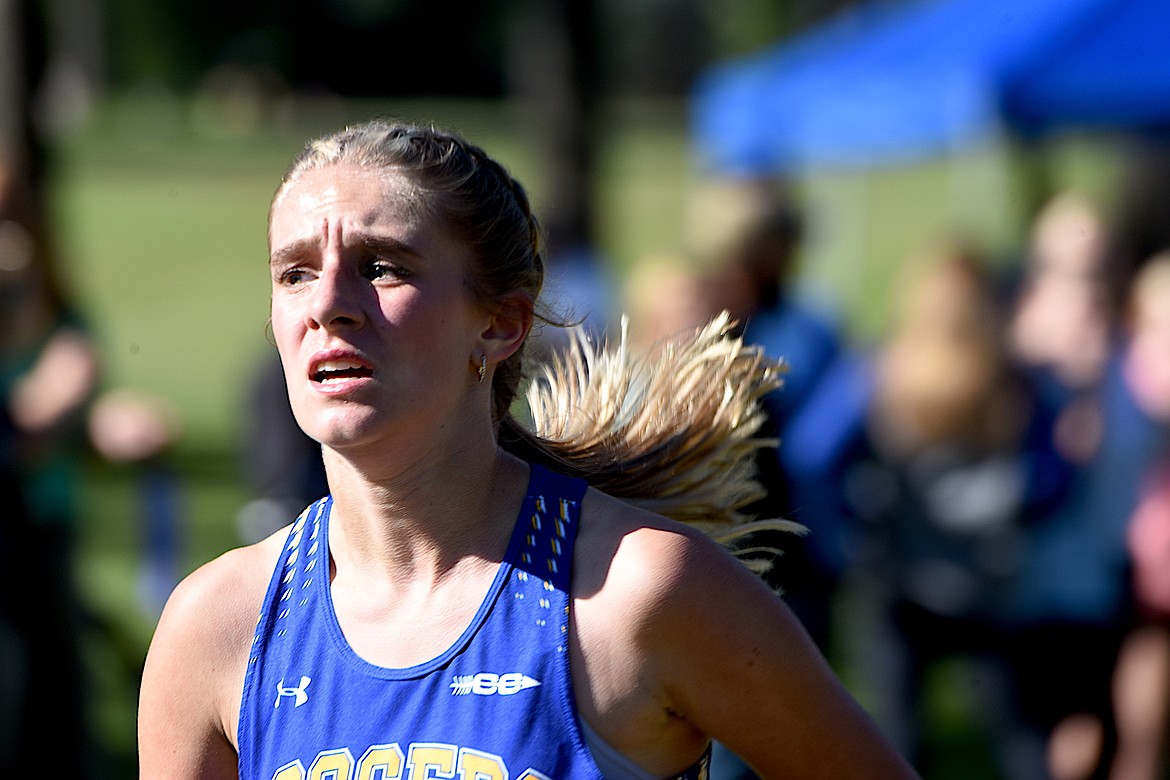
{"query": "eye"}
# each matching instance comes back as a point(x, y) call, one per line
point(292, 277)
point(381, 269)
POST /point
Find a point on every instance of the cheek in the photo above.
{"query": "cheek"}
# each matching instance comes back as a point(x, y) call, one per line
point(284, 329)
point(434, 321)
point(283, 312)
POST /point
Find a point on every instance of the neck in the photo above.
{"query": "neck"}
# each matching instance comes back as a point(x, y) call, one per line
point(423, 518)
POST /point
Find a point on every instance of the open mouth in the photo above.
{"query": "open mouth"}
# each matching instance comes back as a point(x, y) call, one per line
point(340, 370)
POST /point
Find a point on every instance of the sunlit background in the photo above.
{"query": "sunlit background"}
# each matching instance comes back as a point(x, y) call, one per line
point(636, 125)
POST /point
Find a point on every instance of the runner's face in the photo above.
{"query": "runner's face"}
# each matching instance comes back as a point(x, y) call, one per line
point(372, 318)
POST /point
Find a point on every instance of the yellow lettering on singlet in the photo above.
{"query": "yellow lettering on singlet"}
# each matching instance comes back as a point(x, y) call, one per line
point(387, 758)
point(332, 765)
point(426, 760)
point(291, 771)
point(429, 760)
point(476, 765)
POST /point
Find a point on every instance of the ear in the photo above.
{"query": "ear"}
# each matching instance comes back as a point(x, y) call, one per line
point(508, 324)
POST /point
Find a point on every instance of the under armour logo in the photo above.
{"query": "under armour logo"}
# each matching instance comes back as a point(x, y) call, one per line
point(298, 693)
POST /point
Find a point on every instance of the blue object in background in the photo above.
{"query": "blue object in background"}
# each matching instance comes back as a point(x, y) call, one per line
point(887, 83)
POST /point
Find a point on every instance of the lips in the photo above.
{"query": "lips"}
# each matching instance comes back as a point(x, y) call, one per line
point(338, 366)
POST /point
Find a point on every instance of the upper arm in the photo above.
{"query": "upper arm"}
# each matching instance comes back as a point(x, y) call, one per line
point(738, 667)
point(194, 670)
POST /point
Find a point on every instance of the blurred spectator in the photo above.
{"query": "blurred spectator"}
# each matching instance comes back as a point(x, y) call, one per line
point(137, 429)
point(49, 375)
point(934, 451)
point(755, 281)
point(747, 235)
point(1071, 604)
point(664, 297)
point(1142, 681)
point(753, 261)
point(1064, 315)
point(48, 371)
point(51, 413)
point(1142, 230)
point(282, 465)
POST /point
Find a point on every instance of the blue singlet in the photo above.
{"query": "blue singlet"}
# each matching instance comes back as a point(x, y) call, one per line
point(497, 704)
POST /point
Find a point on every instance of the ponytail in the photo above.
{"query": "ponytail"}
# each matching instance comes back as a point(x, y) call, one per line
point(674, 432)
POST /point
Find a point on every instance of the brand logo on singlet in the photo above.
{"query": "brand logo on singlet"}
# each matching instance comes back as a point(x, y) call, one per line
point(298, 693)
point(487, 684)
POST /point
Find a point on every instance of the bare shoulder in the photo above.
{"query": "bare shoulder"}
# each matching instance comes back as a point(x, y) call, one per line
point(194, 669)
point(649, 596)
point(677, 642)
point(216, 606)
point(651, 562)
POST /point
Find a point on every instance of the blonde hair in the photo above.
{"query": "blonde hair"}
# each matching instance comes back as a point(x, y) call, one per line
point(673, 430)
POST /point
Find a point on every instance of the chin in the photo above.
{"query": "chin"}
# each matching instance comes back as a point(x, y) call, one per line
point(344, 429)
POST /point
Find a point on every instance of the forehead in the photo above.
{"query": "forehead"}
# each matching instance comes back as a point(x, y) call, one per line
point(346, 196)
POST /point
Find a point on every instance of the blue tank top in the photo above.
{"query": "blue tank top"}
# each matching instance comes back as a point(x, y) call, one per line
point(497, 704)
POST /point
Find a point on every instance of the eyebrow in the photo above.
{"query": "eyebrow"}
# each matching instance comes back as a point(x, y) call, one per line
point(379, 244)
point(386, 245)
point(291, 251)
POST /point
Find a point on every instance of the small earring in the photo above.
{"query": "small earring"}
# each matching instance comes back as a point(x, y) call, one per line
point(482, 367)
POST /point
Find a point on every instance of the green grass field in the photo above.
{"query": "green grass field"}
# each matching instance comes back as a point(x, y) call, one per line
point(161, 217)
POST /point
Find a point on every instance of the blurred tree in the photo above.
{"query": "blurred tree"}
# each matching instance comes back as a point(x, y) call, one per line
point(742, 26)
point(21, 67)
point(416, 47)
point(739, 27)
point(147, 42)
point(353, 47)
point(408, 47)
point(652, 47)
point(552, 74)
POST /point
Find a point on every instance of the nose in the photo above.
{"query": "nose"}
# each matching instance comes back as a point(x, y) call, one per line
point(336, 299)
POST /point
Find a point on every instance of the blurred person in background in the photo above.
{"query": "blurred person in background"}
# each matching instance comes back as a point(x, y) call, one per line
point(1142, 678)
point(48, 374)
point(1071, 605)
point(934, 452)
point(282, 466)
point(1064, 320)
point(664, 297)
point(51, 415)
point(752, 274)
point(747, 236)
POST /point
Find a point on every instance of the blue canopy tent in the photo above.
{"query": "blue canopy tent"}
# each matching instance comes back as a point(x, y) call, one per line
point(888, 82)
